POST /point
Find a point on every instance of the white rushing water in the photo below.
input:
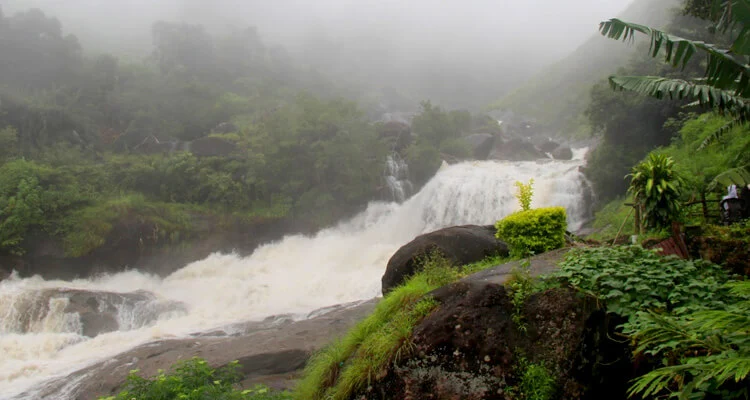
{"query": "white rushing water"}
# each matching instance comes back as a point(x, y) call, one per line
point(295, 275)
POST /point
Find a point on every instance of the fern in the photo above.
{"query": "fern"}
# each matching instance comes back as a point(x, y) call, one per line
point(710, 350)
point(735, 176)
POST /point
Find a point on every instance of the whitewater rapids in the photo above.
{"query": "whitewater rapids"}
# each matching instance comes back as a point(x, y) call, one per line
point(295, 275)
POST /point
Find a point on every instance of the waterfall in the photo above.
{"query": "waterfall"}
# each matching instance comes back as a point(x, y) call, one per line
point(397, 178)
point(296, 275)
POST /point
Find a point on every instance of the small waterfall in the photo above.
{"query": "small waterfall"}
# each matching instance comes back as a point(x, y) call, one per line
point(397, 178)
point(294, 276)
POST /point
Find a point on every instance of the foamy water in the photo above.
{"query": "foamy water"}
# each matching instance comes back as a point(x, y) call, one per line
point(295, 275)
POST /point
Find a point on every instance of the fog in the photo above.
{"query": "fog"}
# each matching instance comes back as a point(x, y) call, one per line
point(460, 53)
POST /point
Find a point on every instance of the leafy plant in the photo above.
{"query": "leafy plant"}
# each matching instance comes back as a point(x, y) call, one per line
point(708, 351)
point(524, 193)
point(537, 383)
point(655, 186)
point(521, 286)
point(534, 231)
point(631, 279)
point(739, 176)
point(194, 379)
point(726, 85)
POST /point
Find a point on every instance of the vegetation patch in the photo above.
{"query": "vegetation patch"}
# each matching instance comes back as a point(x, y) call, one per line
point(194, 379)
point(87, 229)
point(687, 316)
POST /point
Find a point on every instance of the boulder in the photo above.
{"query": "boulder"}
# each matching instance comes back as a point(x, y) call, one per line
point(480, 144)
point(562, 153)
point(459, 244)
point(97, 312)
point(516, 150)
point(471, 347)
point(271, 352)
point(211, 147)
point(548, 146)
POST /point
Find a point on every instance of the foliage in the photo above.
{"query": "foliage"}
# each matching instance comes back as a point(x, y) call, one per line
point(655, 186)
point(524, 194)
point(631, 279)
point(521, 286)
point(709, 351)
point(534, 231)
point(684, 313)
point(8, 143)
point(31, 196)
point(739, 176)
point(610, 218)
point(536, 383)
point(86, 229)
point(726, 82)
point(194, 379)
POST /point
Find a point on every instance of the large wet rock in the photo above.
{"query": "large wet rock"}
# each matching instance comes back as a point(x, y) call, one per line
point(470, 347)
point(480, 144)
point(272, 352)
point(562, 153)
point(90, 313)
point(516, 150)
point(459, 244)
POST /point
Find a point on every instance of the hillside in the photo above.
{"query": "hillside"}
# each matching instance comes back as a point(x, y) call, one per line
point(557, 97)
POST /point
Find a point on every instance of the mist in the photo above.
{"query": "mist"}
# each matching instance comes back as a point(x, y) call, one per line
point(461, 54)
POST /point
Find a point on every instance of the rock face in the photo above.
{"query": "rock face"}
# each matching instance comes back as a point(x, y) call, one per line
point(471, 348)
point(460, 244)
point(271, 352)
point(480, 144)
point(563, 153)
point(516, 150)
point(548, 146)
point(97, 312)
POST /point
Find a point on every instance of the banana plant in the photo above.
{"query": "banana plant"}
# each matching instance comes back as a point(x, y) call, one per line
point(726, 84)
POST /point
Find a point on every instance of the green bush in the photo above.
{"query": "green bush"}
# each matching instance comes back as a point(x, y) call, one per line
point(682, 314)
point(194, 379)
point(534, 231)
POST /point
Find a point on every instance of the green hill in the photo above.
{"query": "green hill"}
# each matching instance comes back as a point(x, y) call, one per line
point(556, 97)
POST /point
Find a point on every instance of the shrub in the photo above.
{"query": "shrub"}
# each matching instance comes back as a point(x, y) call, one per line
point(681, 313)
point(524, 194)
point(194, 379)
point(533, 231)
point(655, 185)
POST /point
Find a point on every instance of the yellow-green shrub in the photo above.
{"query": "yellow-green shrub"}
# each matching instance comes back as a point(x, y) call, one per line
point(533, 231)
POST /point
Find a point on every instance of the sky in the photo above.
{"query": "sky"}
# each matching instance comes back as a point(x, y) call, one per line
point(499, 42)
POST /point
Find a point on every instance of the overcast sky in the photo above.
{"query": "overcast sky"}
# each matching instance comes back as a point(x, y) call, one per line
point(552, 26)
point(493, 43)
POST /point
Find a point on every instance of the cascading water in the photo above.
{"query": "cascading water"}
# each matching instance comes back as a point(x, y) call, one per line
point(295, 275)
point(397, 178)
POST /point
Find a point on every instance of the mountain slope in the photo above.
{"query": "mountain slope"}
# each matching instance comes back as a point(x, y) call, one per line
point(556, 98)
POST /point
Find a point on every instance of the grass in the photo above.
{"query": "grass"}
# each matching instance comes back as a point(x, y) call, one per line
point(609, 219)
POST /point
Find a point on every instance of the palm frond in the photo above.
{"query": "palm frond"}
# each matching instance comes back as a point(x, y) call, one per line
point(659, 87)
point(658, 380)
point(738, 120)
point(734, 176)
point(723, 69)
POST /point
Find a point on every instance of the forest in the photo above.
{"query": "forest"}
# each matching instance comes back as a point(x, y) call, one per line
point(207, 124)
